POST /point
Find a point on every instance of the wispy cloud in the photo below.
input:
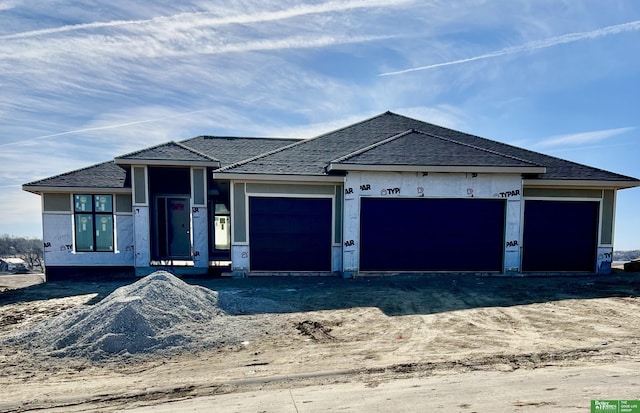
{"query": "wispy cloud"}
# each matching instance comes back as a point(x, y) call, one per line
point(530, 46)
point(581, 138)
point(590, 148)
point(187, 21)
point(176, 44)
point(103, 127)
point(7, 4)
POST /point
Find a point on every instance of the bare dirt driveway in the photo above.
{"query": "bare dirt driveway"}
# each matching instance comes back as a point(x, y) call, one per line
point(533, 343)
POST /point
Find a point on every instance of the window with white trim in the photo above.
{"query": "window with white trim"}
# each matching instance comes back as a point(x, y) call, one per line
point(93, 218)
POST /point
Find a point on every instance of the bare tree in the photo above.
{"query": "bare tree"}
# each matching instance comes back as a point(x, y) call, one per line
point(29, 249)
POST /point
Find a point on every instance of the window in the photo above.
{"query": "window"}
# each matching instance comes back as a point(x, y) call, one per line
point(93, 215)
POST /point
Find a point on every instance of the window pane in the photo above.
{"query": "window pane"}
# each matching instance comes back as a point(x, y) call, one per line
point(139, 185)
point(606, 232)
point(104, 233)
point(83, 203)
point(104, 203)
point(84, 232)
point(198, 186)
point(239, 208)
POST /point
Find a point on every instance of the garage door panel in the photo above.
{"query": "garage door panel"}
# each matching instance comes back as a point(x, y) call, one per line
point(560, 236)
point(431, 234)
point(290, 234)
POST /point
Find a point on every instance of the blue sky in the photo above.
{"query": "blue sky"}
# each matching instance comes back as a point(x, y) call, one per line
point(83, 83)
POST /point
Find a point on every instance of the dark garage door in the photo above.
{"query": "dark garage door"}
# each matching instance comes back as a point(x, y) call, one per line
point(431, 234)
point(290, 234)
point(559, 236)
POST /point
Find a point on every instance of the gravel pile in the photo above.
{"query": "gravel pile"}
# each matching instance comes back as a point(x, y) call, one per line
point(159, 314)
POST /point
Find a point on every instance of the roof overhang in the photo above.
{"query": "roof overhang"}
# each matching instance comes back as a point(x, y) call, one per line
point(167, 162)
point(278, 177)
point(68, 189)
point(579, 183)
point(436, 168)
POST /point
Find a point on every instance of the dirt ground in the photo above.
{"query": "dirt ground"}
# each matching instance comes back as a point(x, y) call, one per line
point(369, 330)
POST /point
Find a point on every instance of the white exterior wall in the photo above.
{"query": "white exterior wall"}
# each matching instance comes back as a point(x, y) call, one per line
point(604, 260)
point(432, 185)
point(58, 243)
point(240, 258)
point(513, 238)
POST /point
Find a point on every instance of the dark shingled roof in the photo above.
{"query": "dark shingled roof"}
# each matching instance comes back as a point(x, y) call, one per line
point(106, 175)
point(417, 148)
point(170, 151)
point(229, 150)
point(310, 157)
point(226, 150)
point(418, 143)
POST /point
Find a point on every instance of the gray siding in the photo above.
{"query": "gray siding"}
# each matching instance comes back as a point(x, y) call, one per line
point(57, 202)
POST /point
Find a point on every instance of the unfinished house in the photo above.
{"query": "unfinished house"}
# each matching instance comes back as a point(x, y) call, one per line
point(389, 194)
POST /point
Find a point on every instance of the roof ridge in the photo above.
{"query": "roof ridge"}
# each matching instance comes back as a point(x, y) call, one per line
point(374, 145)
point(71, 172)
point(262, 155)
point(300, 142)
point(239, 137)
point(142, 150)
point(480, 148)
point(195, 151)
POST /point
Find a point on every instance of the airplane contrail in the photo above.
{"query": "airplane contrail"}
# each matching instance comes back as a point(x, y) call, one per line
point(187, 19)
point(538, 44)
point(115, 126)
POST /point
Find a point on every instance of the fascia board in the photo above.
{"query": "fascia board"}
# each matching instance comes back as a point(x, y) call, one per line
point(579, 183)
point(67, 189)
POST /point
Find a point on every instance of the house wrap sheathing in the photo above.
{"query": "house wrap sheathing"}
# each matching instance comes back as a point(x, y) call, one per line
point(386, 195)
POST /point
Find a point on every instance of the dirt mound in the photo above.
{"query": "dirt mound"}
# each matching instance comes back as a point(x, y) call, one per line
point(157, 312)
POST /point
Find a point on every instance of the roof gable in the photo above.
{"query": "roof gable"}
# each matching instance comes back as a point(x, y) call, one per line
point(421, 150)
point(170, 153)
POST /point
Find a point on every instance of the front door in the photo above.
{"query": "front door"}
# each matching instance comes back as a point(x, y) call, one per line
point(219, 206)
point(173, 229)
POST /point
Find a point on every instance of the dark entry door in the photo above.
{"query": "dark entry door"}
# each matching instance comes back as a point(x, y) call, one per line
point(560, 236)
point(290, 234)
point(173, 229)
point(431, 234)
